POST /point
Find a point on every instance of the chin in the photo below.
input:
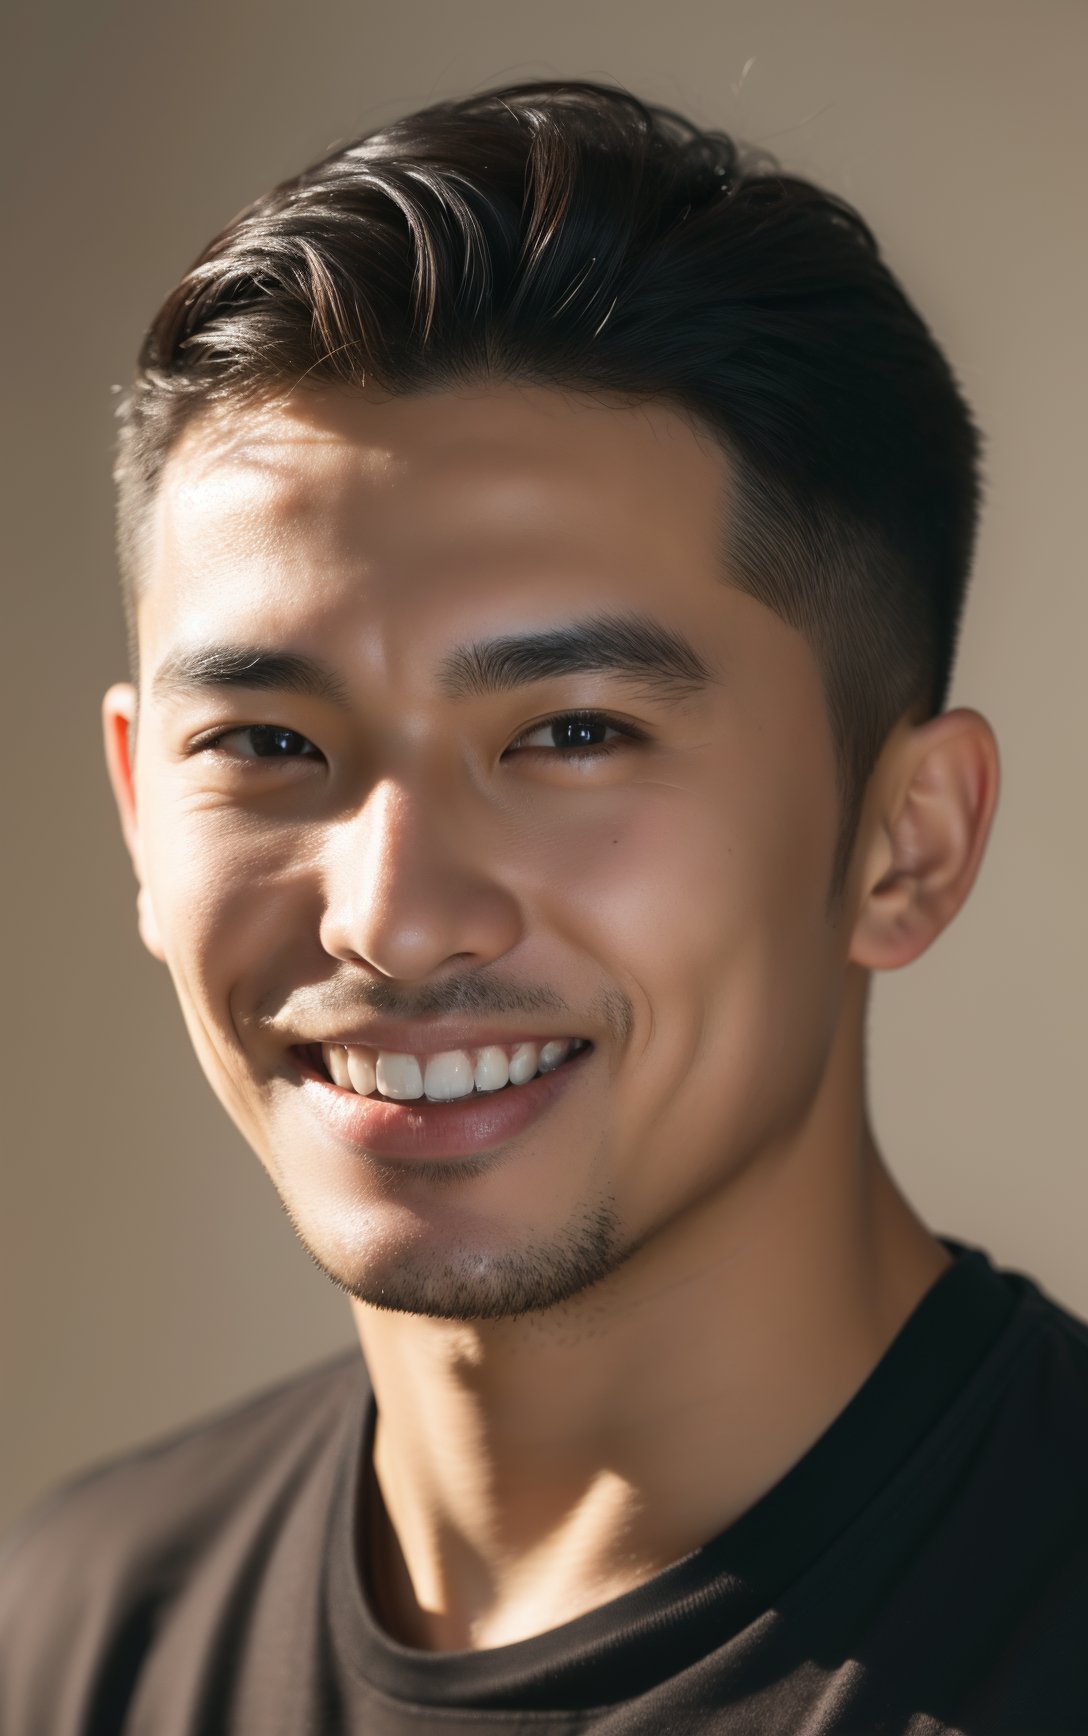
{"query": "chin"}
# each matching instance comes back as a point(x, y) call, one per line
point(446, 1279)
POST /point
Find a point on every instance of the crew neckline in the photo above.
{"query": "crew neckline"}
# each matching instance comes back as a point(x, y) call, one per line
point(705, 1598)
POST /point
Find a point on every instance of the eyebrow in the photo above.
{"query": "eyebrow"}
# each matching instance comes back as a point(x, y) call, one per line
point(213, 666)
point(630, 644)
point(634, 645)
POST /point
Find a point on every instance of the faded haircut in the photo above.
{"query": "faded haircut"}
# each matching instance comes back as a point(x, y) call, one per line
point(567, 233)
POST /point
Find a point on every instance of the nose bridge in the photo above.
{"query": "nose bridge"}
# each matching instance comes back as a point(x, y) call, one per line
point(395, 836)
point(405, 890)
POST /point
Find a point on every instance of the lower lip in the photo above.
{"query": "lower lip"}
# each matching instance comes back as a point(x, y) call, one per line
point(420, 1129)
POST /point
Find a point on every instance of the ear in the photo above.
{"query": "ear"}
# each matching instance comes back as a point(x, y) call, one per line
point(934, 790)
point(119, 727)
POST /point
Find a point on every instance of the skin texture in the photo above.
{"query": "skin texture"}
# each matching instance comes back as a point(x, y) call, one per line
point(751, 1253)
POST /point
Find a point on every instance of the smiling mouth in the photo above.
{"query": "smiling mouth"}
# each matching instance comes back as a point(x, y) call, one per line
point(450, 1076)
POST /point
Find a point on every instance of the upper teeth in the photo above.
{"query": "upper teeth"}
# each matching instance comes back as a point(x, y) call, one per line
point(453, 1073)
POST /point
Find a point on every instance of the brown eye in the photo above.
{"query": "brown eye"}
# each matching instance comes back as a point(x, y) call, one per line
point(576, 735)
point(263, 741)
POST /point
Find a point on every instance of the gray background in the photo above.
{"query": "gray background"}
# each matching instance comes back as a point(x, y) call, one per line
point(148, 1272)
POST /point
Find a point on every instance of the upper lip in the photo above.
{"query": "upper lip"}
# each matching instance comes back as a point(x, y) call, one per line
point(416, 1039)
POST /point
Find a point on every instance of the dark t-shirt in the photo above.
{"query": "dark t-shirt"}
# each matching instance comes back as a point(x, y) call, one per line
point(922, 1568)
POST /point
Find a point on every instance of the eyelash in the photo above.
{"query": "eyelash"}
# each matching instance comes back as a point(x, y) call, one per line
point(588, 719)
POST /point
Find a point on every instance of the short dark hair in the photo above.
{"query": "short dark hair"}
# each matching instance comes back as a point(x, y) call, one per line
point(566, 233)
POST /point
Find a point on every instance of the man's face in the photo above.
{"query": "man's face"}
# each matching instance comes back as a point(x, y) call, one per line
point(355, 829)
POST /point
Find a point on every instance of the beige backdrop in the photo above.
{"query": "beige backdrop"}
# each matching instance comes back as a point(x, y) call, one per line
point(149, 1274)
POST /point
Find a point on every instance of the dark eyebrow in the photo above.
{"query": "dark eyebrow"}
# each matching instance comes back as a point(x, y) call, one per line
point(207, 666)
point(632, 645)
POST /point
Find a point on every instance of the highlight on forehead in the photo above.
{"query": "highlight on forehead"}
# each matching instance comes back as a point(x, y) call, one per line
point(264, 436)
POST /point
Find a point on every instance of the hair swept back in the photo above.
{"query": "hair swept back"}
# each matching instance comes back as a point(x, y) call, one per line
point(568, 233)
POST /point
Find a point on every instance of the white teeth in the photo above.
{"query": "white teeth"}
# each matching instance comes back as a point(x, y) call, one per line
point(444, 1077)
point(492, 1068)
point(399, 1077)
point(336, 1060)
point(360, 1072)
point(448, 1075)
point(523, 1063)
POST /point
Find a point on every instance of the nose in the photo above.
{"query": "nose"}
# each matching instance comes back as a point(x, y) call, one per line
point(406, 896)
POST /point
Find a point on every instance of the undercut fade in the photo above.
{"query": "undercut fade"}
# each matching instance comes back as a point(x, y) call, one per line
point(566, 233)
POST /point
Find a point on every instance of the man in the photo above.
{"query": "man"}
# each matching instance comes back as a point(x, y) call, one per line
point(545, 533)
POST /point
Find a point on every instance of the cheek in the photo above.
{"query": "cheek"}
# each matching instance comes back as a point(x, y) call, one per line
point(686, 891)
point(708, 912)
point(770, 979)
point(232, 896)
point(649, 887)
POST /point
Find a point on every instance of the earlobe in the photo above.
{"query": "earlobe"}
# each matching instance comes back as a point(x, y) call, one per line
point(934, 801)
point(119, 729)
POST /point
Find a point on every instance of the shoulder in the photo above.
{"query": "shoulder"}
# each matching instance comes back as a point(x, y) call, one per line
point(198, 1466)
point(1053, 1378)
point(1058, 1338)
point(86, 1572)
point(1028, 1411)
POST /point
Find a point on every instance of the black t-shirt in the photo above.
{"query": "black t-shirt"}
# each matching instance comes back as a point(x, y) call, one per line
point(922, 1568)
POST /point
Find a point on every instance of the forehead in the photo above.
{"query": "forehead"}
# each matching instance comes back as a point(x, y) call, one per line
point(441, 486)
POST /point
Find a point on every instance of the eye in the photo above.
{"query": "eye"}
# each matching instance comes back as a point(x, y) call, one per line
point(576, 735)
point(261, 741)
